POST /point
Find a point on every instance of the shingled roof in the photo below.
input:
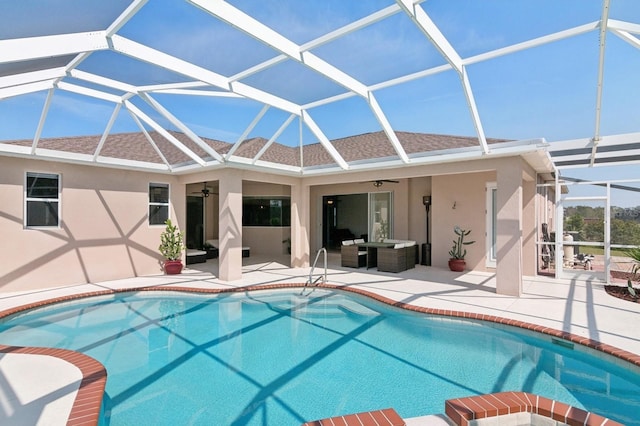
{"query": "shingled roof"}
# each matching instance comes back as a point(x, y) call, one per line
point(368, 146)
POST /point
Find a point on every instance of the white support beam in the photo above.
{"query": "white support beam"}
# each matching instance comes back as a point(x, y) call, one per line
point(429, 28)
point(273, 138)
point(151, 141)
point(388, 130)
point(265, 98)
point(333, 73)
point(632, 40)
point(180, 125)
point(190, 92)
point(259, 67)
point(73, 64)
point(25, 49)
point(107, 130)
point(168, 136)
point(23, 89)
point(410, 77)
point(89, 92)
point(327, 38)
point(324, 141)
point(246, 132)
point(31, 77)
point(539, 41)
point(103, 81)
point(171, 63)
point(473, 109)
point(328, 100)
point(352, 27)
point(172, 86)
point(125, 16)
point(601, 52)
point(629, 27)
point(43, 118)
point(235, 17)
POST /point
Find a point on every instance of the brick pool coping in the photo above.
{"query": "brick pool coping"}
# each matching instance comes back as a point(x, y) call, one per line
point(88, 401)
point(87, 406)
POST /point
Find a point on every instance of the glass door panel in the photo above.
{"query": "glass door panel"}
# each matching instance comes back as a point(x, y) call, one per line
point(380, 216)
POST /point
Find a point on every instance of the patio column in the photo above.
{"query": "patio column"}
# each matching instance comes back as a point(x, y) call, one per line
point(230, 226)
point(509, 228)
point(300, 218)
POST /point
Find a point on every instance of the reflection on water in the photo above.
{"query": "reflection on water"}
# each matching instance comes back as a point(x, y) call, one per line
point(281, 358)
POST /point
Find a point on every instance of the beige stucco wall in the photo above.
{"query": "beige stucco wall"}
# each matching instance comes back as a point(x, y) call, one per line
point(459, 200)
point(104, 232)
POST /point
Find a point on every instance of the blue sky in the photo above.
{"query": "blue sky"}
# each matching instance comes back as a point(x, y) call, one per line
point(548, 91)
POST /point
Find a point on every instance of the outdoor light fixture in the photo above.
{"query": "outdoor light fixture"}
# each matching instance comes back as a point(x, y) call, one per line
point(426, 247)
point(377, 183)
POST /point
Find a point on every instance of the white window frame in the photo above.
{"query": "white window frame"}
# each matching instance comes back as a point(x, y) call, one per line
point(155, 203)
point(27, 199)
point(491, 218)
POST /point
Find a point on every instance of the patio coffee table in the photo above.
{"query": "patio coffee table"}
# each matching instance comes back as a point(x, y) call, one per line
point(372, 251)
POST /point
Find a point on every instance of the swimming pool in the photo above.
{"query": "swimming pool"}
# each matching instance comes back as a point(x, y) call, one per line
point(278, 358)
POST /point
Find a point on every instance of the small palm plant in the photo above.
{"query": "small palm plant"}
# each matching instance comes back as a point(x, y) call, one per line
point(458, 251)
point(634, 254)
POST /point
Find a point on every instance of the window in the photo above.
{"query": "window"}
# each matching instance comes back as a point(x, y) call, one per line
point(266, 211)
point(158, 203)
point(42, 199)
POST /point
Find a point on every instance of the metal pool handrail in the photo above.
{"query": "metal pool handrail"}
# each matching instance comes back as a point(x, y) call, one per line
point(322, 277)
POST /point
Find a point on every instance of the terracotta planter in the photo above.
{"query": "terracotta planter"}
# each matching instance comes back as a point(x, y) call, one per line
point(457, 265)
point(172, 267)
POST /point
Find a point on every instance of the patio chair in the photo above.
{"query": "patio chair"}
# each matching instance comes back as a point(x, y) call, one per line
point(351, 255)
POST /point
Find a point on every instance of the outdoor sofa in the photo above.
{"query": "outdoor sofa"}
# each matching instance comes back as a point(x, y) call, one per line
point(400, 257)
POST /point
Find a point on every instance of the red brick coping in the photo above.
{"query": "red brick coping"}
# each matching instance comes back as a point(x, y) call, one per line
point(86, 407)
point(464, 410)
point(95, 376)
point(386, 417)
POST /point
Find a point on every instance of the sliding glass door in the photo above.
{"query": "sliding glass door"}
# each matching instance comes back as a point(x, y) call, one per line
point(380, 216)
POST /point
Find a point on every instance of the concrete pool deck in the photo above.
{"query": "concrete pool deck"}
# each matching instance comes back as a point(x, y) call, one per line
point(578, 306)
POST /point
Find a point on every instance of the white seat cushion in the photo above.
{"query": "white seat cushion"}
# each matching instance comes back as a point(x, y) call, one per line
point(193, 252)
point(359, 241)
point(347, 242)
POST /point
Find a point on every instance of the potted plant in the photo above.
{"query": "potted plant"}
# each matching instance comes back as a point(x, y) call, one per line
point(171, 246)
point(458, 252)
point(634, 254)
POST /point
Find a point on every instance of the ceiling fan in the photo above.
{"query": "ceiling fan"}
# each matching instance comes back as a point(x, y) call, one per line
point(205, 191)
point(378, 183)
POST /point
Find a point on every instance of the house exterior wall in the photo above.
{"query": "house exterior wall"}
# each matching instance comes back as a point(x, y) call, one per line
point(459, 200)
point(104, 232)
point(104, 216)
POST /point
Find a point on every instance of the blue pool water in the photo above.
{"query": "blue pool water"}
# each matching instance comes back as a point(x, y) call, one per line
point(278, 358)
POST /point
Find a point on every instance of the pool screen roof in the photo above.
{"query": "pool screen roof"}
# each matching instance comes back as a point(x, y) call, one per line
point(288, 84)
